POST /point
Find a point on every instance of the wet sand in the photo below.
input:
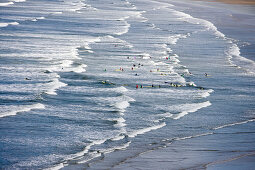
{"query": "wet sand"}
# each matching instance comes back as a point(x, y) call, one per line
point(234, 150)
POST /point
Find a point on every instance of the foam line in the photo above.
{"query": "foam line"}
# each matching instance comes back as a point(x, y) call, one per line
point(188, 18)
point(125, 29)
point(121, 89)
point(186, 109)
point(233, 124)
point(24, 108)
point(174, 38)
point(233, 53)
point(122, 105)
point(8, 23)
point(79, 155)
point(119, 137)
point(116, 148)
point(54, 85)
point(6, 3)
point(18, 0)
point(120, 121)
point(145, 130)
point(195, 136)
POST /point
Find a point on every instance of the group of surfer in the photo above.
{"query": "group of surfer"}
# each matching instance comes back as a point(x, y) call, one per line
point(134, 66)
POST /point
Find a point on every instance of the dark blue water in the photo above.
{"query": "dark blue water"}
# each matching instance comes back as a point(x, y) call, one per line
point(96, 82)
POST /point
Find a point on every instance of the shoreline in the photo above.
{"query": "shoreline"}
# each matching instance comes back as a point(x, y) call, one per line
point(237, 2)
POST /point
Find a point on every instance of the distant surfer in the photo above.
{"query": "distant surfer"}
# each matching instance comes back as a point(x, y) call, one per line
point(206, 75)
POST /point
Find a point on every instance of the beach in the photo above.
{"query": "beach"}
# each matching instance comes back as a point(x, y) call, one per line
point(242, 2)
point(148, 84)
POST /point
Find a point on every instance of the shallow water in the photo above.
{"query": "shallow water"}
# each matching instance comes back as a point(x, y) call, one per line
point(82, 81)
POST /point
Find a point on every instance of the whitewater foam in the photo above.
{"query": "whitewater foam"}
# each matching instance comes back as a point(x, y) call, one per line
point(145, 130)
point(18, 0)
point(185, 109)
point(122, 105)
point(233, 124)
point(194, 136)
point(188, 18)
point(8, 23)
point(121, 89)
point(120, 122)
point(174, 38)
point(125, 29)
point(6, 3)
point(24, 108)
point(54, 85)
point(235, 59)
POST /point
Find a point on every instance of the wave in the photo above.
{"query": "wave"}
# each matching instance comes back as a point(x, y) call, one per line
point(122, 105)
point(18, 0)
point(104, 151)
point(235, 59)
point(125, 28)
point(188, 18)
point(194, 136)
point(124, 146)
point(78, 155)
point(119, 121)
point(24, 108)
point(8, 23)
point(116, 41)
point(174, 38)
point(145, 130)
point(119, 137)
point(36, 19)
point(233, 124)
point(184, 109)
point(6, 3)
point(206, 93)
point(54, 85)
point(121, 89)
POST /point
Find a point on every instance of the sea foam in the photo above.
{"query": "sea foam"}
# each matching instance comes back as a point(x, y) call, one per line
point(185, 109)
point(24, 108)
point(145, 130)
point(6, 3)
point(8, 23)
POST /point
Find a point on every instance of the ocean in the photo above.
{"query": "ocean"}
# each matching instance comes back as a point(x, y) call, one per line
point(88, 84)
